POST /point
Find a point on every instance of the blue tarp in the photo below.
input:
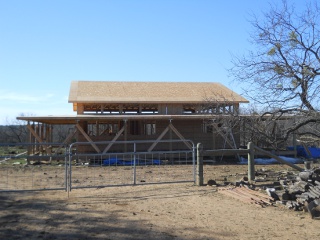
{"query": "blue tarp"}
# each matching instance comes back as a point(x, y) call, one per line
point(121, 162)
point(301, 152)
point(265, 161)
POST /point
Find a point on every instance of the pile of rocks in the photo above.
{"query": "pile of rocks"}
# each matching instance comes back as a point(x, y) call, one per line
point(300, 192)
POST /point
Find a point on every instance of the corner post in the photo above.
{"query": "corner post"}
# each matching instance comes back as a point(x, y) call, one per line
point(251, 171)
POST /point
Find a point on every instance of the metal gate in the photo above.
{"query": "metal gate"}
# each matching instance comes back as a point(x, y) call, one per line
point(131, 167)
point(33, 167)
point(55, 166)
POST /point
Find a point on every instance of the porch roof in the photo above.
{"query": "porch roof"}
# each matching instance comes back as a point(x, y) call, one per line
point(112, 117)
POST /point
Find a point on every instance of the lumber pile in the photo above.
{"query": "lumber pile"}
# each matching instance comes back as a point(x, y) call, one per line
point(247, 195)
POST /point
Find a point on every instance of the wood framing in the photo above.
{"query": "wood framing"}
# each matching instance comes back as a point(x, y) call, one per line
point(120, 111)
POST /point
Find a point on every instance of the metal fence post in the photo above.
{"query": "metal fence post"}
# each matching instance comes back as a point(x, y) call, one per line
point(70, 169)
point(66, 158)
point(134, 164)
point(199, 179)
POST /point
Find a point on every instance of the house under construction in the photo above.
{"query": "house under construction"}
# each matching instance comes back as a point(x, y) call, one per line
point(124, 111)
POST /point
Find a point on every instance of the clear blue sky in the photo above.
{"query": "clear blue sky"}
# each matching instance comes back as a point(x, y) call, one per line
point(44, 45)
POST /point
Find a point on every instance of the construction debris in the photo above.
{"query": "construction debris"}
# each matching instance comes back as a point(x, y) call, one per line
point(299, 191)
point(303, 193)
point(247, 195)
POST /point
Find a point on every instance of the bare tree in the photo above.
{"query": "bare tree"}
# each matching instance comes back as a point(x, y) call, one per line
point(225, 120)
point(283, 73)
point(61, 132)
point(15, 131)
point(266, 130)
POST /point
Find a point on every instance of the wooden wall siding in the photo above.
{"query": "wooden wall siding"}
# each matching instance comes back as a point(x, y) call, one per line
point(170, 109)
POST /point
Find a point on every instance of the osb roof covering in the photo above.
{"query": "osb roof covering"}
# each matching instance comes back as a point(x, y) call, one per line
point(150, 92)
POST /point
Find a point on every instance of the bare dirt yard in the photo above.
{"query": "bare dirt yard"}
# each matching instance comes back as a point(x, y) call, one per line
point(152, 211)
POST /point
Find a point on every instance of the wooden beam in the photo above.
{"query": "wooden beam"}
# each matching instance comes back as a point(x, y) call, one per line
point(306, 149)
point(226, 152)
point(33, 132)
point(279, 159)
point(125, 137)
point(225, 136)
point(158, 139)
point(68, 138)
point(97, 128)
point(114, 139)
point(104, 131)
point(87, 137)
point(47, 136)
point(180, 136)
point(30, 148)
point(170, 126)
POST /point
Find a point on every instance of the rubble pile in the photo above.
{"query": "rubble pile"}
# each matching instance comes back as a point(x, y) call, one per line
point(301, 192)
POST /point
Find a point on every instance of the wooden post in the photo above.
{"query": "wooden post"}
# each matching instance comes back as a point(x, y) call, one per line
point(29, 148)
point(51, 133)
point(47, 133)
point(214, 138)
point(170, 143)
point(97, 128)
point(199, 177)
point(37, 130)
point(43, 148)
point(251, 170)
point(294, 143)
point(47, 139)
point(125, 135)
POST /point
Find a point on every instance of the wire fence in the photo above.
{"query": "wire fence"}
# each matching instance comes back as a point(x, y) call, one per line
point(54, 166)
point(131, 168)
point(23, 169)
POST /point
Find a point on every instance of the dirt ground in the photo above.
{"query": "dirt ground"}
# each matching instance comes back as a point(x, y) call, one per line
point(155, 211)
